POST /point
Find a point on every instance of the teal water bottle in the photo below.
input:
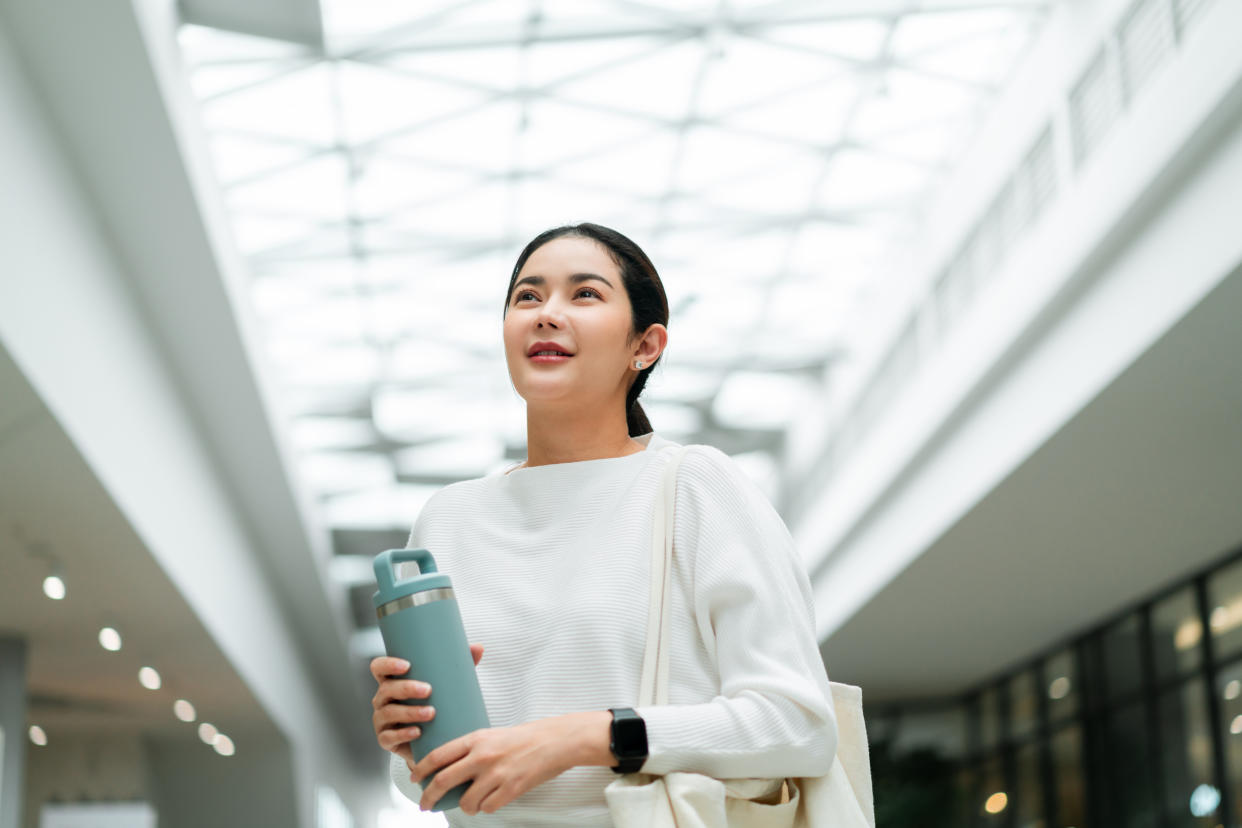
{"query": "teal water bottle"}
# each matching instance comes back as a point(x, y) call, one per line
point(421, 623)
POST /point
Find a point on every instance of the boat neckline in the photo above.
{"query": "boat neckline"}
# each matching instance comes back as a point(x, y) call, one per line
point(647, 439)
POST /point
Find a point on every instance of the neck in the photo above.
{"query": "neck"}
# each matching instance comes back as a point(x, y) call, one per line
point(557, 435)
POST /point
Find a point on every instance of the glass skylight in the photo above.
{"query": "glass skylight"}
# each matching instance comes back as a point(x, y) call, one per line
point(768, 156)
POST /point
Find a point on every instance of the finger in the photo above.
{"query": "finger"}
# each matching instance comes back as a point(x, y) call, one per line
point(476, 652)
point(479, 791)
point(396, 716)
point(392, 690)
point(498, 798)
point(445, 754)
point(446, 779)
point(383, 667)
point(395, 739)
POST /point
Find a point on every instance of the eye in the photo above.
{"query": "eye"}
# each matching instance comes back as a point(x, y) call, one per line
point(517, 297)
point(588, 290)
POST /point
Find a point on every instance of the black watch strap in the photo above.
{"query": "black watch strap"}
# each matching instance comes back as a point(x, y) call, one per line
point(629, 739)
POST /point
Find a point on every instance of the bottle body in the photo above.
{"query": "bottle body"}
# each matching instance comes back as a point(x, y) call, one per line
point(425, 628)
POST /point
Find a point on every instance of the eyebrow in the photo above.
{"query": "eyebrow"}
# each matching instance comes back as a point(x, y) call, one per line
point(575, 278)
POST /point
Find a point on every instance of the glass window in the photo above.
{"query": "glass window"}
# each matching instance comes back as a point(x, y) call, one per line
point(881, 726)
point(964, 796)
point(942, 731)
point(1129, 760)
point(1123, 670)
point(1029, 807)
point(1067, 768)
point(1225, 610)
point(1177, 634)
point(1229, 694)
point(1093, 683)
point(1023, 705)
point(1061, 685)
point(1191, 800)
point(989, 718)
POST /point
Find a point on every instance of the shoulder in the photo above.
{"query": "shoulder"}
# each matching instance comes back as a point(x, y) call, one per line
point(710, 477)
point(726, 518)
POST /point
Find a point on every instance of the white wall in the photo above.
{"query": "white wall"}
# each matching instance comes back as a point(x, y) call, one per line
point(69, 319)
point(1142, 233)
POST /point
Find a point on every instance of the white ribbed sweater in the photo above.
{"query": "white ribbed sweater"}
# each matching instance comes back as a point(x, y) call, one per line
point(551, 564)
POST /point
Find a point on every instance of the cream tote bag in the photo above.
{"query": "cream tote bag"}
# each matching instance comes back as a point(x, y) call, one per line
point(840, 799)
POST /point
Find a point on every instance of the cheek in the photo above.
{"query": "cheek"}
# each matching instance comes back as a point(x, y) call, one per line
point(509, 335)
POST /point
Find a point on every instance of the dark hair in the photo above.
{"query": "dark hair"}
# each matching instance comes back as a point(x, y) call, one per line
point(642, 284)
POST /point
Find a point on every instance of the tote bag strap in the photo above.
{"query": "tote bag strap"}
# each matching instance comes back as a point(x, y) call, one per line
point(653, 688)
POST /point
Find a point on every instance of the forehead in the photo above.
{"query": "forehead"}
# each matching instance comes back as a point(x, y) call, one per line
point(571, 254)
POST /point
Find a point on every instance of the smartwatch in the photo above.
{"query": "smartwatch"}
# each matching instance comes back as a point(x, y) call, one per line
point(629, 739)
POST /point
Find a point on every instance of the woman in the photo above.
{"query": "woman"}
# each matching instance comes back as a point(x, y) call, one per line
point(550, 562)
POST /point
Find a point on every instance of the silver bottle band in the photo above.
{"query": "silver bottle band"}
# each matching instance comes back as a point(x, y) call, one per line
point(415, 600)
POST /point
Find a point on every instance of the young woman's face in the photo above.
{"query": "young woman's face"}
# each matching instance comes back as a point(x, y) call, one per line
point(569, 292)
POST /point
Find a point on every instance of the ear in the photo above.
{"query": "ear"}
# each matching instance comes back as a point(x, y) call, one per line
point(651, 345)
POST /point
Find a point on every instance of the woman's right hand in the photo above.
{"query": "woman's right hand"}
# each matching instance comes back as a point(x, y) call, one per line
point(396, 724)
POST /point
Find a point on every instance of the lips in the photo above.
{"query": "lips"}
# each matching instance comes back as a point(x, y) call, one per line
point(546, 349)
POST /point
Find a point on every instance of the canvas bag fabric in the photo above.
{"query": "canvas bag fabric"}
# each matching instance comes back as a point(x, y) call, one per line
point(842, 798)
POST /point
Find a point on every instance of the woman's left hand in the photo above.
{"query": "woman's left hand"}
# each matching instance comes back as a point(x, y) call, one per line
point(504, 762)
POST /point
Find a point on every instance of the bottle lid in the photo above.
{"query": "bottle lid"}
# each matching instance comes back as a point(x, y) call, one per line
point(390, 588)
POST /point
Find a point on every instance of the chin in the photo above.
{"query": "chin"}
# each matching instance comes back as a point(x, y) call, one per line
point(545, 392)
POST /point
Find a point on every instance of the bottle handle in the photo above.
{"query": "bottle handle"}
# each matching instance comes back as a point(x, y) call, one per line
point(385, 566)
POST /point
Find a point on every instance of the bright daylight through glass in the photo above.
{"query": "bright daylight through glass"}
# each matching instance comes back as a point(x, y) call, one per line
point(382, 192)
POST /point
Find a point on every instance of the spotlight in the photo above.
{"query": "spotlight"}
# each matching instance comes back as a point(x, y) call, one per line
point(54, 579)
point(54, 587)
point(207, 732)
point(223, 745)
point(183, 710)
point(38, 736)
point(110, 639)
point(149, 678)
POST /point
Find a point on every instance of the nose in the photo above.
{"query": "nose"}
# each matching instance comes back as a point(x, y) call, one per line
point(549, 315)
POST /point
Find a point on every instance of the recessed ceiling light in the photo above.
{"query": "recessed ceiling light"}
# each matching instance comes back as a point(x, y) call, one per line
point(110, 639)
point(184, 711)
point(38, 736)
point(223, 745)
point(149, 678)
point(54, 587)
point(207, 732)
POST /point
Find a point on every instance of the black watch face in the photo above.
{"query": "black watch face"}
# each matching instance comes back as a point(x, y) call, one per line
point(630, 737)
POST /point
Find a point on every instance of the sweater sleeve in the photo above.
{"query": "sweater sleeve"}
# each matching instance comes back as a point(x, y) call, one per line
point(399, 773)
point(753, 605)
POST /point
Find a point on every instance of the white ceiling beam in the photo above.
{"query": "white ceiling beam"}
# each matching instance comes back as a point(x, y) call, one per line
point(296, 21)
point(689, 24)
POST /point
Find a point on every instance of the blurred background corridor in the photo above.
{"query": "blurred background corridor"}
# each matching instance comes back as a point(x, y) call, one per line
point(957, 282)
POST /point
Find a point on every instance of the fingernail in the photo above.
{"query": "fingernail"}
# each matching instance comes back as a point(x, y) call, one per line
point(403, 664)
point(422, 687)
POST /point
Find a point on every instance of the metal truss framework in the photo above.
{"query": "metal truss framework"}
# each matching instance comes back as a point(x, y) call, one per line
point(769, 156)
